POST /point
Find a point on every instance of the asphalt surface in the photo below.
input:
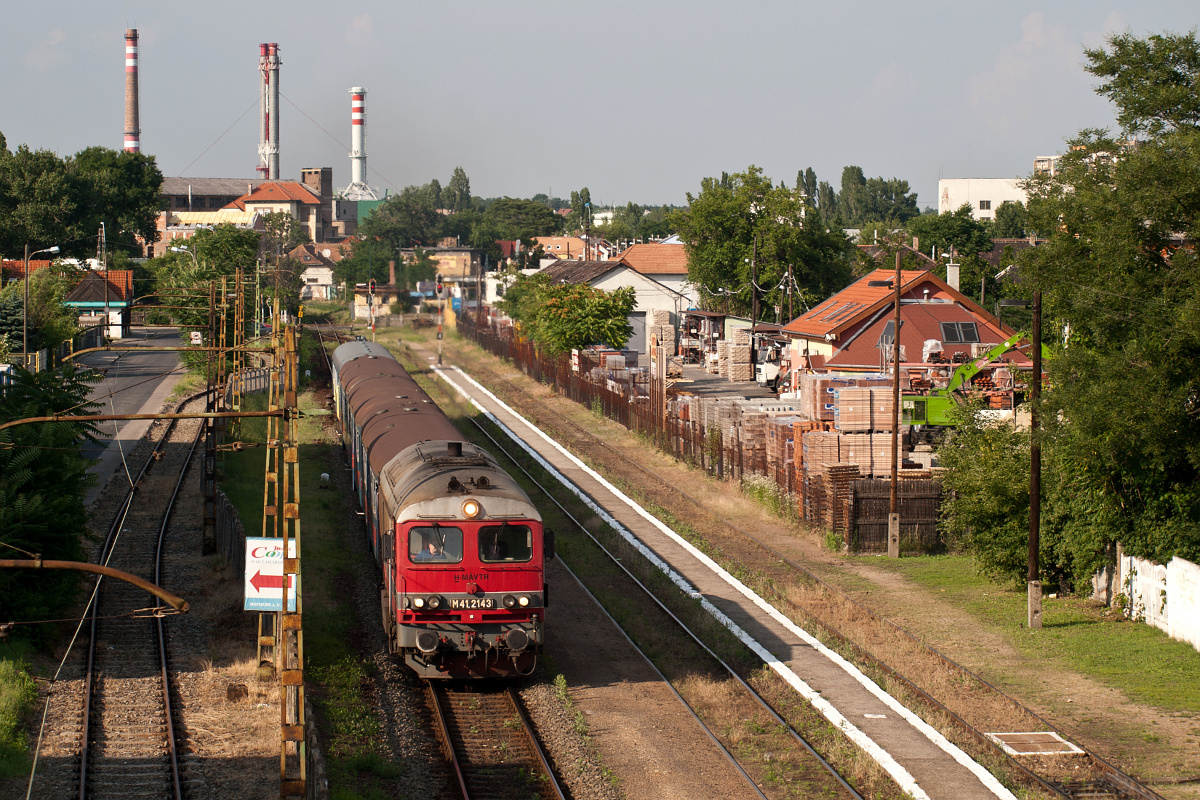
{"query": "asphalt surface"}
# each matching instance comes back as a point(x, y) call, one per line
point(132, 383)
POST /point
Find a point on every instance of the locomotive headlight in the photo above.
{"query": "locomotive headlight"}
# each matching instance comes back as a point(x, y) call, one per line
point(417, 602)
point(434, 602)
point(509, 601)
point(471, 508)
point(523, 600)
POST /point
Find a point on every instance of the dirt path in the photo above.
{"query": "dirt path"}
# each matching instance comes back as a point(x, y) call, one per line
point(1148, 742)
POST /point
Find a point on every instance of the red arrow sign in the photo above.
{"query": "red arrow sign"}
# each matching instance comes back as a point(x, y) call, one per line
point(260, 581)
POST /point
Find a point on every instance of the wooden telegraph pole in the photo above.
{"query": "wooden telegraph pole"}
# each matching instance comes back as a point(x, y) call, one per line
point(894, 513)
point(1034, 605)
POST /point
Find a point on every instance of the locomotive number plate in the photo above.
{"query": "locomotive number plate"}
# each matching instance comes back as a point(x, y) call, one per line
point(472, 602)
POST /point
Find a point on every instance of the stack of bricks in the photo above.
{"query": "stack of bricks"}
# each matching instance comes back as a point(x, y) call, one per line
point(740, 368)
point(862, 410)
point(722, 363)
point(741, 336)
point(661, 328)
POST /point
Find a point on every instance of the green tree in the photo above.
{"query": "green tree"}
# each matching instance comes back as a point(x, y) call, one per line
point(581, 211)
point(827, 203)
point(520, 219)
point(1010, 221)
point(457, 196)
point(719, 228)
point(1152, 81)
point(560, 317)
point(45, 199)
point(408, 219)
point(120, 189)
point(959, 230)
point(43, 479)
point(1121, 442)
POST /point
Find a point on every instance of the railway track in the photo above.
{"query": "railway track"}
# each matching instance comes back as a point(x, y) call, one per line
point(127, 736)
point(1102, 781)
point(489, 743)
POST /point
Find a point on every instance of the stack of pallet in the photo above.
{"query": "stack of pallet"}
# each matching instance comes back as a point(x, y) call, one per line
point(741, 336)
point(781, 450)
point(754, 441)
point(740, 368)
point(839, 489)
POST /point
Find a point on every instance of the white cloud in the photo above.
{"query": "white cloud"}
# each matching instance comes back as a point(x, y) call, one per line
point(46, 51)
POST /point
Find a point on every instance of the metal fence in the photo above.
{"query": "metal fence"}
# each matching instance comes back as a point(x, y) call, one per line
point(230, 535)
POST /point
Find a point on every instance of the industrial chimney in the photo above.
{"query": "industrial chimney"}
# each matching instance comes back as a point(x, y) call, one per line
point(133, 129)
point(358, 188)
point(268, 139)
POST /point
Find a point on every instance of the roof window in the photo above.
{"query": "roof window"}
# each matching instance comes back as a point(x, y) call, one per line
point(959, 333)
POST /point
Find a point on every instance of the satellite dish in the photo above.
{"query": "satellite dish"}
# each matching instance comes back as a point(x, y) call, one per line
point(327, 252)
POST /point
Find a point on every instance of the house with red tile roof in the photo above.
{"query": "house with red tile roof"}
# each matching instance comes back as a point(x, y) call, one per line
point(13, 269)
point(665, 263)
point(850, 330)
point(302, 203)
point(102, 292)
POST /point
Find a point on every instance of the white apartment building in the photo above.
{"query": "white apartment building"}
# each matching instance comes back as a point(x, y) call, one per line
point(984, 195)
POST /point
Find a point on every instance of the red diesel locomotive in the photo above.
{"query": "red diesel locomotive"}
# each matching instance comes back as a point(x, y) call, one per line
point(460, 546)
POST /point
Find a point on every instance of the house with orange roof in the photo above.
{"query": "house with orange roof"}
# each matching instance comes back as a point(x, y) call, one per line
point(291, 197)
point(851, 330)
point(665, 263)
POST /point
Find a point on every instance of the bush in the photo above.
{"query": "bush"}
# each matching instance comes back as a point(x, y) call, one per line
point(17, 696)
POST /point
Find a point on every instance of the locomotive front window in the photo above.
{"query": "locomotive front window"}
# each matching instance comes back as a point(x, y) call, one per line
point(435, 544)
point(505, 543)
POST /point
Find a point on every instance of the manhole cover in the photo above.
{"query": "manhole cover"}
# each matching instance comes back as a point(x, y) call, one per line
point(1040, 743)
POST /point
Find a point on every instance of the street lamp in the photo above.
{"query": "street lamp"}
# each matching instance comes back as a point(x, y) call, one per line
point(25, 305)
point(195, 262)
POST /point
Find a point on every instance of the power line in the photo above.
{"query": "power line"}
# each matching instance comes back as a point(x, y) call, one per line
point(336, 140)
point(219, 138)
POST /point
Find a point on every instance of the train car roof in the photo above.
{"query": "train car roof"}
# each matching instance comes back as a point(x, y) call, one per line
point(429, 481)
point(349, 351)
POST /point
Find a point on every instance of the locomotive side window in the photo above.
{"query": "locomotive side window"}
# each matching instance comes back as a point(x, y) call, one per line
point(436, 544)
point(505, 543)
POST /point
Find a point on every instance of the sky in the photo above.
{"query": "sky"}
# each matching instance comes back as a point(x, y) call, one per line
point(638, 101)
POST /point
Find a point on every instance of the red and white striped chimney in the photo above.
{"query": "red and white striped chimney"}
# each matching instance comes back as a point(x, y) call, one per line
point(358, 136)
point(133, 129)
point(268, 141)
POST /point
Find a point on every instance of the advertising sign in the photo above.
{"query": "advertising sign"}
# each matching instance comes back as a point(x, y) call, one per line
point(264, 574)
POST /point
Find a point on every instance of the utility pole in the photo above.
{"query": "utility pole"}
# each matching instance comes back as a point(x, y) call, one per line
point(894, 513)
point(1034, 607)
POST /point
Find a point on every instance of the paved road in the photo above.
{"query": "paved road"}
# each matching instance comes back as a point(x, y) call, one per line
point(133, 383)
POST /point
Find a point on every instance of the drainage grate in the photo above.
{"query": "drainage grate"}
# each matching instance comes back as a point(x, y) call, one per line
point(1038, 743)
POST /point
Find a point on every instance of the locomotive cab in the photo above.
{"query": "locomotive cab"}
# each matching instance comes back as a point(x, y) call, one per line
point(465, 596)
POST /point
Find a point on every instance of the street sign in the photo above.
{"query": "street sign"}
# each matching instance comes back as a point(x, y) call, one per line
point(264, 574)
point(197, 338)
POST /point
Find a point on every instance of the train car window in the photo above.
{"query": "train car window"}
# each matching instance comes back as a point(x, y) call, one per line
point(436, 544)
point(505, 543)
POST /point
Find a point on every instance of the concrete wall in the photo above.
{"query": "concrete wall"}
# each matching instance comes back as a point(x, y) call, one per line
point(1167, 597)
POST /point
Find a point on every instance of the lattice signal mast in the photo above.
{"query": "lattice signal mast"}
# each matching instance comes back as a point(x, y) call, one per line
point(268, 137)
